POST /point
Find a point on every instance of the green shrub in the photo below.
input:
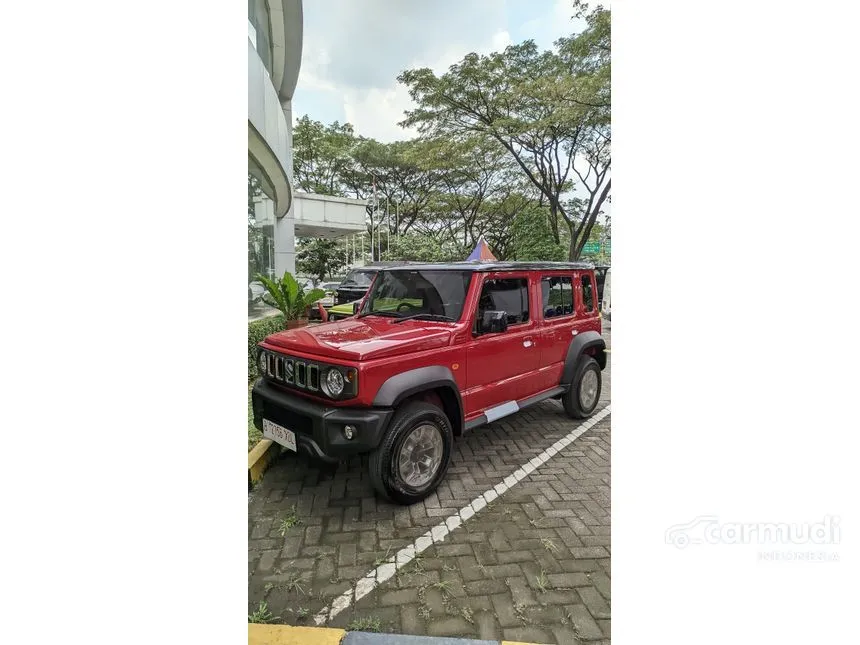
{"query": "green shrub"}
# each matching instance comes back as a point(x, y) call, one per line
point(257, 331)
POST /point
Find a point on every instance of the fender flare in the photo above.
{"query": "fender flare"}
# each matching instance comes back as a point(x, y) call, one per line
point(584, 341)
point(401, 386)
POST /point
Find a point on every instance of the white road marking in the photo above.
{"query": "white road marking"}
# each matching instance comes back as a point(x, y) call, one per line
point(438, 533)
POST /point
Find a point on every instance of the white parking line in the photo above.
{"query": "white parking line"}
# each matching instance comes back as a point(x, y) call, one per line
point(438, 533)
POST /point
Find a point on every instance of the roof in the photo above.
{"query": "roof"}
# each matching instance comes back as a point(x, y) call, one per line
point(484, 267)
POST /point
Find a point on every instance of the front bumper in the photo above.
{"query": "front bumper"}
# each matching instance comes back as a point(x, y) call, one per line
point(319, 428)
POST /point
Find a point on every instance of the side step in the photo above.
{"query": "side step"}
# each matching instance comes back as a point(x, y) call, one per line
point(510, 407)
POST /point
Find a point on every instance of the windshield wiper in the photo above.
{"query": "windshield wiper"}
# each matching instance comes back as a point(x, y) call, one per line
point(429, 316)
point(390, 314)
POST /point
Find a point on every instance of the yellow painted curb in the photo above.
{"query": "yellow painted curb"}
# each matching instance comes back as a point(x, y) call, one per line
point(289, 635)
point(259, 459)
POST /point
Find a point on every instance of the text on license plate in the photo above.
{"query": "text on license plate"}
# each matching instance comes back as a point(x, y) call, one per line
point(279, 434)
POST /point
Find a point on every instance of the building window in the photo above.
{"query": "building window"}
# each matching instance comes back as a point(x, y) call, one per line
point(557, 293)
point(260, 22)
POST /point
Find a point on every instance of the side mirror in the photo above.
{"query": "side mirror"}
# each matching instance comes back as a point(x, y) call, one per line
point(493, 322)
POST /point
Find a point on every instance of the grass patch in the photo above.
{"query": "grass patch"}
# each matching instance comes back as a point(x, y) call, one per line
point(289, 521)
point(549, 545)
point(366, 624)
point(542, 582)
point(254, 435)
point(261, 614)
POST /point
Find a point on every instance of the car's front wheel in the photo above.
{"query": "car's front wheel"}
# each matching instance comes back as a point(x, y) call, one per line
point(414, 454)
point(581, 399)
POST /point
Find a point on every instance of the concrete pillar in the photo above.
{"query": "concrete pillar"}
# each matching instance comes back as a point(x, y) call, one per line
point(285, 227)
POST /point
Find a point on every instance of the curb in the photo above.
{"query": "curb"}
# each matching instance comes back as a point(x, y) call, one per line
point(289, 635)
point(259, 459)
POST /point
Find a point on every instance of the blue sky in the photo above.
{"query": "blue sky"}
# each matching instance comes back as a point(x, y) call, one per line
point(354, 49)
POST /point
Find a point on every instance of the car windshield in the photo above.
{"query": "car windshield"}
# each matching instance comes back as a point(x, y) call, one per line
point(359, 278)
point(429, 295)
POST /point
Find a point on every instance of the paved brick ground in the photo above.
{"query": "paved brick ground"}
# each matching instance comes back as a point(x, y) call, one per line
point(533, 566)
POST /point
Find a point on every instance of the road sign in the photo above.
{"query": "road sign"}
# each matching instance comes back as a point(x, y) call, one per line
point(591, 247)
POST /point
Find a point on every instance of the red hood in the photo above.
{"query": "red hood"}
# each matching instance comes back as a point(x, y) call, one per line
point(363, 339)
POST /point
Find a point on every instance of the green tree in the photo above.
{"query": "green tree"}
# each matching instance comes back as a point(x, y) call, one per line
point(320, 257)
point(532, 237)
point(321, 156)
point(548, 110)
point(413, 247)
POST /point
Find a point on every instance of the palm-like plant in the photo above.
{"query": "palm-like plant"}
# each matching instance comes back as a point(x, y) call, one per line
point(287, 296)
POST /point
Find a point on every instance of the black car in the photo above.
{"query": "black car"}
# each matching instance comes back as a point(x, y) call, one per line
point(357, 282)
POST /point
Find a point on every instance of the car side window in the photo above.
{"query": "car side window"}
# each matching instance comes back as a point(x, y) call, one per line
point(587, 293)
point(509, 295)
point(557, 295)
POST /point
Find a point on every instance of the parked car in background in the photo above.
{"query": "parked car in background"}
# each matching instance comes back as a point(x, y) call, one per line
point(606, 300)
point(358, 281)
point(600, 273)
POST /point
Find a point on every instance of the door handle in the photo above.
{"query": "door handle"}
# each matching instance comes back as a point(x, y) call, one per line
point(527, 342)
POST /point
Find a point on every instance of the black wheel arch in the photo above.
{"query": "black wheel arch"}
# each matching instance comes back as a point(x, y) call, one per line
point(413, 383)
point(588, 342)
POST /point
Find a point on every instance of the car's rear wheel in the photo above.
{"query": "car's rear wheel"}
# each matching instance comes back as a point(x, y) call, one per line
point(414, 454)
point(581, 399)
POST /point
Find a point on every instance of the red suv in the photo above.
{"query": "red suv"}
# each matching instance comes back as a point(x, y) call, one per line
point(434, 351)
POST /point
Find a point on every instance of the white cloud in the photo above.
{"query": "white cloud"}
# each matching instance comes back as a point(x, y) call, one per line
point(375, 112)
point(354, 51)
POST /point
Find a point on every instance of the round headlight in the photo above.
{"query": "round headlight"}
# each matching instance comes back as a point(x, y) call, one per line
point(261, 363)
point(334, 382)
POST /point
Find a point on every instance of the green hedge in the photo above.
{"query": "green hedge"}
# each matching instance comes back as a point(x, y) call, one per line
point(257, 331)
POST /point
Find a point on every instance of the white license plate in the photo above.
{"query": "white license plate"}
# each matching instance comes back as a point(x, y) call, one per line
point(279, 434)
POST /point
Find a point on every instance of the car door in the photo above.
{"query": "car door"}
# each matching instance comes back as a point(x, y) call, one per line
point(558, 319)
point(501, 366)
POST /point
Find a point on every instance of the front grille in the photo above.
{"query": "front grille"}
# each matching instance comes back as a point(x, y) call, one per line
point(304, 375)
point(301, 374)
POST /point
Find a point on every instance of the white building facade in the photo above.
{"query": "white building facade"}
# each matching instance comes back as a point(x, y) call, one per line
point(276, 217)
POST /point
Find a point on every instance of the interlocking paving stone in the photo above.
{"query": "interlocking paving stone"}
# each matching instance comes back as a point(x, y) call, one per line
point(533, 560)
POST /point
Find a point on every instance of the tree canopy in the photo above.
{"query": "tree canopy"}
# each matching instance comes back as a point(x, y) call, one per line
point(514, 146)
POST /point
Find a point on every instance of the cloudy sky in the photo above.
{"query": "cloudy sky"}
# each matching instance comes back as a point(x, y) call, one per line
point(354, 49)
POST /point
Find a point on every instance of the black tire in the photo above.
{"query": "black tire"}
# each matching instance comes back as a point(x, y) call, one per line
point(382, 464)
point(572, 400)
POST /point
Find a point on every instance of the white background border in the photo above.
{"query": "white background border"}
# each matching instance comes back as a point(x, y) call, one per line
point(734, 331)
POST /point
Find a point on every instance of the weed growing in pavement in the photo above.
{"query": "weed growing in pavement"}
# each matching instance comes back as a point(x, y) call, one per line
point(549, 545)
point(518, 610)
point(444, 586)
point(418, 563)
point(383, 559)
point(542, 581)
point(466, 613)
point(261, 614)
point(289, 521)
point(367, 624)
point(302, 612)
point(294, 583)
point(424, 612)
